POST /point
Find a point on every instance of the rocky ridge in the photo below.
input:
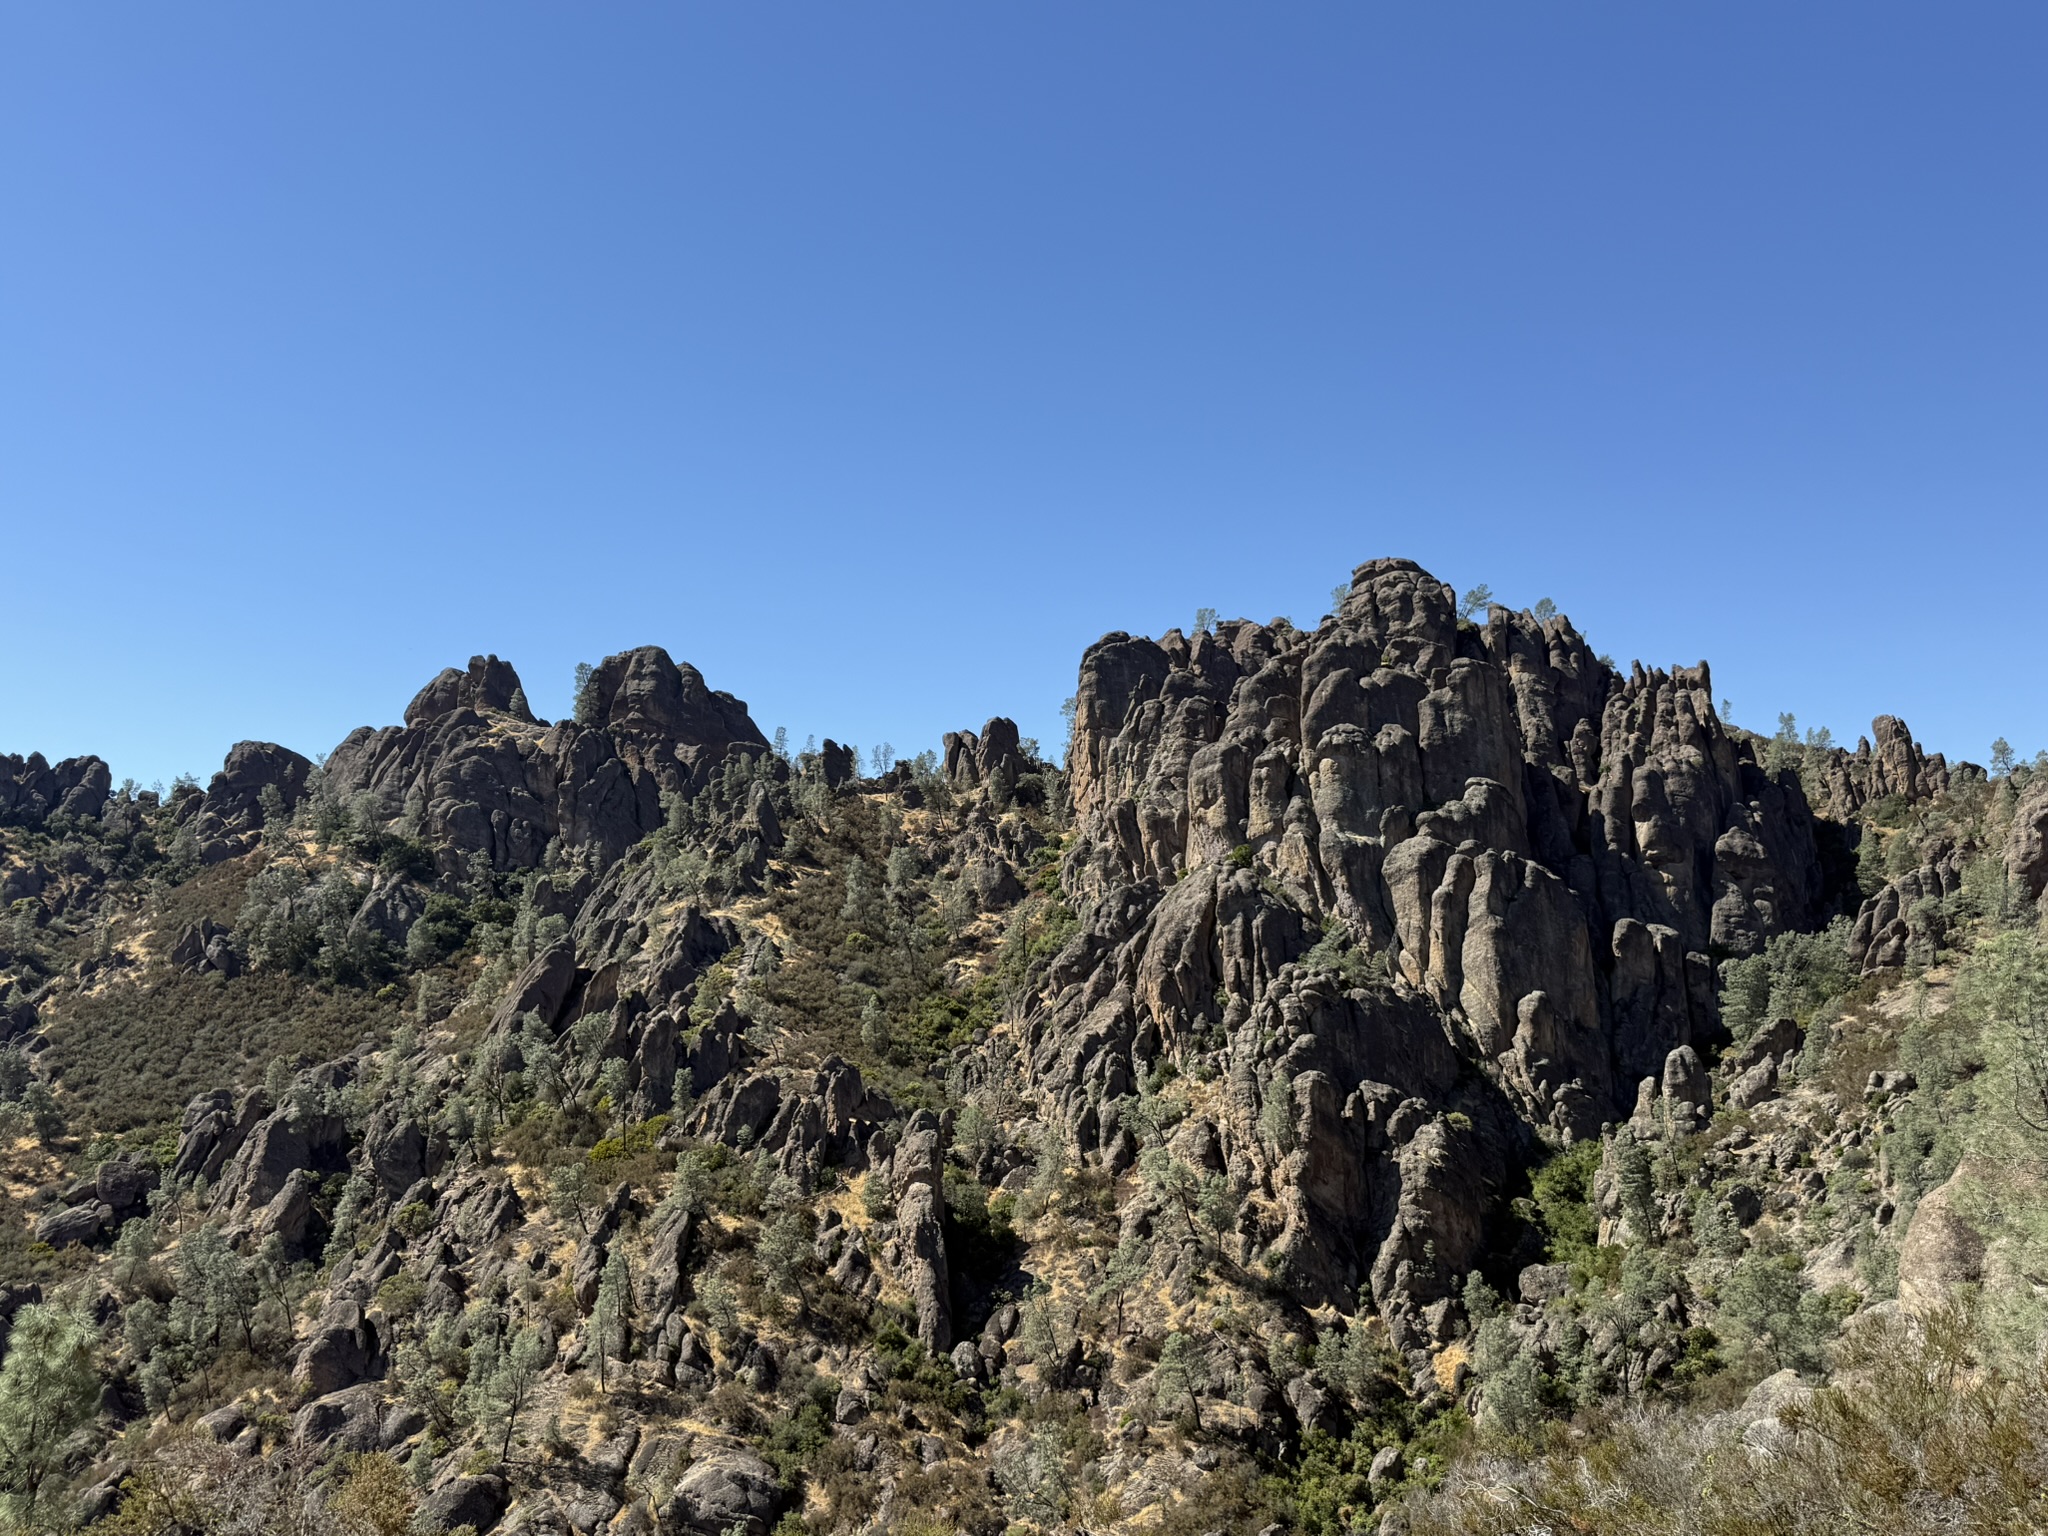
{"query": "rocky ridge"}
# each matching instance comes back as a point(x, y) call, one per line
point(1333, 934)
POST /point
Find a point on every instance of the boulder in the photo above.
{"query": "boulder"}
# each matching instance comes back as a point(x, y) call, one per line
point(1755, 1086)
point(124, 1185)
point(478, 1502)
point(724, 1490)
point(77, 1224)
point(338, 1353)
point(348, 1420)
point(1941, 1250)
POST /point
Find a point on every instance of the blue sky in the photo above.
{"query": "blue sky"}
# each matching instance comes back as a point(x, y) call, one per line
point(876, 358)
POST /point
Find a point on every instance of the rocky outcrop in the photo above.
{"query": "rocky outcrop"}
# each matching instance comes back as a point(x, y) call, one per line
point(1756, 1068)
point(229, 819)
point(1523, 859)
point(2026, 843)
point(213, 1130)
point(489, 686)
point(1896, 766)
point(474, 772)
point(725, 1490)
point(992, 761)
point(1905, 910)
point(31, 790)
point(473, 1502)
point(206, 946)
point(1942, 1250)
point(342, 1349)
point(918, 1170)
point(260, 1161)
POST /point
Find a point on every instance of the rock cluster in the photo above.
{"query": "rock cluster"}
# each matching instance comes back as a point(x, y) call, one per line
point(992, 760)
point(1524, 858)
point(1888, 922)
point(31, 790)
point(475, 773)
point(1894, 767)
point(229, 818)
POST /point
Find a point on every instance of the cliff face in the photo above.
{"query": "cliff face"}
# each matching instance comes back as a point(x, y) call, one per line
point(1536, 859)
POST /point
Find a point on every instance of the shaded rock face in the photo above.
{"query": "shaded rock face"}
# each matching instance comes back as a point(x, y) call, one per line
point(1529, 857)
point(1894, 767)
point(489, 686)
point(230, 816)
point(31, 790)
point(1888, 922)
point(2026, 844)
point(992, 760)
point(476, 773)
point(724, 1491)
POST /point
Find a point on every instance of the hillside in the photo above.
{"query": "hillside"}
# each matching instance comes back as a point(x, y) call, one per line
point(1408, 1075)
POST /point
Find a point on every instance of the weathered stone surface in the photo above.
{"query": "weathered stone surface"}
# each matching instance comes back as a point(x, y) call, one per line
point(478, 1502)
point(213, 1130)
point(724, 1489)
point(2026, 843)
point(124, 1185)
point(31, 790)
point(348, 1420)
point(918, 1169)
point(993, 760)
point(477, 775)
point(1528, 856)
point(400, 1151)
point(1755, 1085)
point(1894, 767)
point(231, 817)
point(77, 1224)
point(302, 1135)
point(340, 1351)
point(1906, 910)
point(541, 988)
point(488, 686)
point(1941, 1251)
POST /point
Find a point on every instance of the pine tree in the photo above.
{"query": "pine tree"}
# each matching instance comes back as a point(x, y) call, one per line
point(784, 1251)
point(610, 1318)
point(1181, 1374)
point(501, 1383)
point(48, 1388)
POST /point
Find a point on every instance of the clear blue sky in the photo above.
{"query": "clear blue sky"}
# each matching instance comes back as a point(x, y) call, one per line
point(878, 357)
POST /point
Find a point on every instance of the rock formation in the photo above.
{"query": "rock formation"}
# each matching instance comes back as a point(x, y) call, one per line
point(477, 774)
point(1528, 857)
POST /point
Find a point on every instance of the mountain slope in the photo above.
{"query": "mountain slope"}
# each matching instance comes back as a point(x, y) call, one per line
point(1372, 1049)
